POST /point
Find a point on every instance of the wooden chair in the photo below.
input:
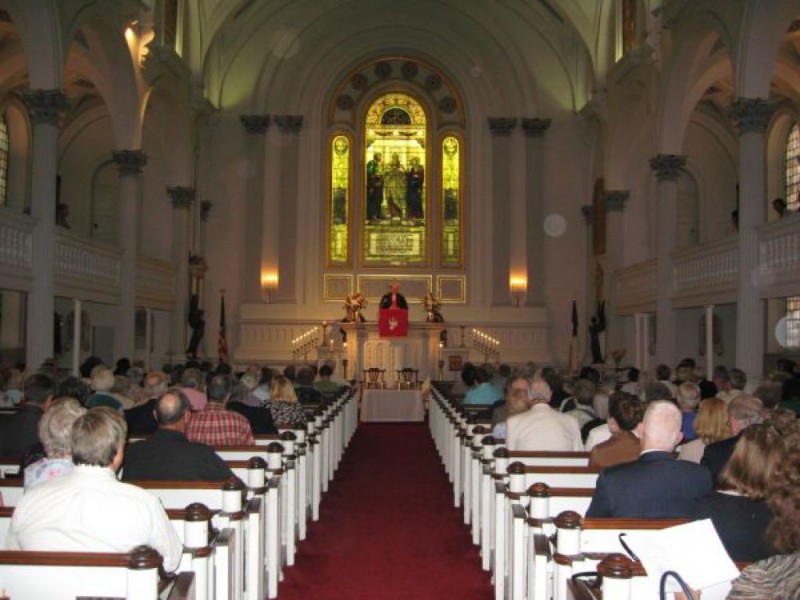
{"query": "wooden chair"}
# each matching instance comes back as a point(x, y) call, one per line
point(374, 378)
point(407, 379)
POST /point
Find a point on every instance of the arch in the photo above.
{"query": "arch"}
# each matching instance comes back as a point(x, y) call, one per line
point(20, 143)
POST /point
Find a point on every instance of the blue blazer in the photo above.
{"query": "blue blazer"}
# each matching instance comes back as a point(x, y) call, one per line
point(655, 486)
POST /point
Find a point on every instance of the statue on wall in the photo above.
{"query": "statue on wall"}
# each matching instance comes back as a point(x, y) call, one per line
point(353, 305)
point(432, 304)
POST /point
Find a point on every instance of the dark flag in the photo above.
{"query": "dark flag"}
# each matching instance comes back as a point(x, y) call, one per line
point(222, 341)
point(574, 319)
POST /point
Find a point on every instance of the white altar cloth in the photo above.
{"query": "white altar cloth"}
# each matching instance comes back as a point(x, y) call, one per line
point(392, 405)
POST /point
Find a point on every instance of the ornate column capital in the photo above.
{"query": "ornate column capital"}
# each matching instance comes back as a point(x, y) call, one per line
point(181, 196)
point(535, 127)
point(751, 115)
point(587, 210)
point(45, 106)
point(289, 123)
point(129, 162)
point(205, 210)
point(667, 166)
point(502, 126)
point(255, 124)
point(615, 200)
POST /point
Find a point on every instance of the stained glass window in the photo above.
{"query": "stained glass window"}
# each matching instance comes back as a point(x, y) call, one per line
point(395, 223)
point(3, 161)
point(793, 322)
point(451, 201)
point(791, 169)
point(339, 198)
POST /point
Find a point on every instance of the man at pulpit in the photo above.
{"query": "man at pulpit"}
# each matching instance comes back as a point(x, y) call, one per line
point(393, 298)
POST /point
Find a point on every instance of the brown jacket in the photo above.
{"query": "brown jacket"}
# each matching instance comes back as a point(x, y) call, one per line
point(623, 447)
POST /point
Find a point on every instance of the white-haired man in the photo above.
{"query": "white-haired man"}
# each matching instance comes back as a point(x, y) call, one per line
point(542, 428)
point(657, 485)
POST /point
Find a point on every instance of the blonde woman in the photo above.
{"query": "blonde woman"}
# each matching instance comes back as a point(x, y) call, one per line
point(286, 411)
point(711, 425)
point(55, 429)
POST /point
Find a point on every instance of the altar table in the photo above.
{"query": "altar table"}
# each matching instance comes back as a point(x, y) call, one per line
point(392, 405)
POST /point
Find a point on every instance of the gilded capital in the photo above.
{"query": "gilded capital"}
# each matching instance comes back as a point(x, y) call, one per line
point(45, 106)
point(615, 200)
point(501, 126)
point(254, 124)
point(289, 123)
point(181, 196)
point(129, 162)
point(751, 115)
point(587, 210)
point(667, 166)
point(535, 127)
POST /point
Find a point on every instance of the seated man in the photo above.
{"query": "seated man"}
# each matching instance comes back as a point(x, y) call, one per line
point(216, 425)
point(88, 510)
point(324, 384)
point(304, 386)
point(744, 410)
point(168, 454)
point(19, 431)
point(141, 418)
point(542, 427)
point(657, 485)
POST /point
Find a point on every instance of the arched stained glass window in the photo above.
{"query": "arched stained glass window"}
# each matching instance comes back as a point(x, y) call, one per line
point(4, 142)
point(339, 200)
point(451, 201)
point(791, 169)
point(395, 216)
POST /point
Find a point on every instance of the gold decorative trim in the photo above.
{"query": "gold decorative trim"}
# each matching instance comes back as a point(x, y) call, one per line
point(327, 278)
point(374, 286)
point(461, 280)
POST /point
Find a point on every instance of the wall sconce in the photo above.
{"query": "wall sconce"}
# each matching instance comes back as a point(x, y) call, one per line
point(519, 286)
point(269, 282)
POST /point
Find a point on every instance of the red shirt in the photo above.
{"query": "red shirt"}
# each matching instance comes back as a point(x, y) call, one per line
point(217, 426)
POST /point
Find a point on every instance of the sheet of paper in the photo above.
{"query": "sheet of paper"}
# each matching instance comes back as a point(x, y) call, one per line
point(692, 550)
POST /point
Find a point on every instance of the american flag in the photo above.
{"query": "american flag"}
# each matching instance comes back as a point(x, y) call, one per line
point(222, 341)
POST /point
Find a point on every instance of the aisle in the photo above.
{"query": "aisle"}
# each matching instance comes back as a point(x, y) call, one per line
point(388, 529)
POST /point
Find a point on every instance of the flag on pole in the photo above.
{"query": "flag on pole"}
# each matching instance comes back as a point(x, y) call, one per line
point(573, 343)
point(222, 340)
point(574, 319)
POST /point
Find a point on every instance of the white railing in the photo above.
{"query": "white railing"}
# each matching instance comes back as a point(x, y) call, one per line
point(636, 288)
point(711, 267)
point(16, 239)
point(779, 257)
point(86, 260)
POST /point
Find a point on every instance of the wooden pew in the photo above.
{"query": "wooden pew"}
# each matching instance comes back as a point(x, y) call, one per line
point(9, 467)
point(67, 575)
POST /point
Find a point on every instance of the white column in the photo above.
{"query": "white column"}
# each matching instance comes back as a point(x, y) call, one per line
point(289, 250)
point(130, 164)
point(255, 127)
point(752, 116)
point(77, 324)
point(667, 168)
point(181, 198)
point(709, 340)
point(534, 130)
point(501, 129)
point(45, 108)
point(615, 201)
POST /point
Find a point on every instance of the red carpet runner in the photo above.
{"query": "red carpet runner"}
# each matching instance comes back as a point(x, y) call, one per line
point(388, 529)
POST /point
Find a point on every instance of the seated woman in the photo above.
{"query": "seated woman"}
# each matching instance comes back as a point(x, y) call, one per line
point(777, 577)
point(518, 393)
point(625, 412)
point(737, 509)
point(710, 425)
point(286, 411)
point(55, 428)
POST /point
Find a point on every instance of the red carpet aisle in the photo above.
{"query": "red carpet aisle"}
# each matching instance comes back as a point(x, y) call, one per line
point(388, 529)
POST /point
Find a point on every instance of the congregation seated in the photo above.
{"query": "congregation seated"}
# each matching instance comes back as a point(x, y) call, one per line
point(284, 407)
point(324, 384)
point(466, 380)
point(102, 382)
point(141, 419)
point(55, 429)
point(625, 413)
point(743, 411)
point(542, 427)
point(517, 401)
point(688, 397)
point(304, 389)
point(583, 393)
point(737, 509)
point(19, 431)
point(73, 387)
point(168, 454)
point(193, 386)
point(664, 377)
point(89, 510)
point(216, 425)
point(553, 379)
point(710, 426)
point(657, 485)
point(485, 392)
point(725, 381)
point(252, 403)
point(12, 387)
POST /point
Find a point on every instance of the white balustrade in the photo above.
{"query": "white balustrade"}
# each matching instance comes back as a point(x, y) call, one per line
point(16, 239)
point(779, 257)
point(710, 270)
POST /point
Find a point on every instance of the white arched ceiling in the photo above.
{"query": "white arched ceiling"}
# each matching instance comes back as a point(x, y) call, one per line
point(40, 29)
point(511, 52)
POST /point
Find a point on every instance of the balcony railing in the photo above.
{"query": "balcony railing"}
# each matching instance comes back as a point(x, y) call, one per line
point(710, 270)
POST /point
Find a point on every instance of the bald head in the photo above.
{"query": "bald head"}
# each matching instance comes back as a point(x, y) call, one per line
point(172, 409)
point(661, 426)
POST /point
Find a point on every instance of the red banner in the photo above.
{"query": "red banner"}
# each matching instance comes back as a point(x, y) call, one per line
point(393, 322)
